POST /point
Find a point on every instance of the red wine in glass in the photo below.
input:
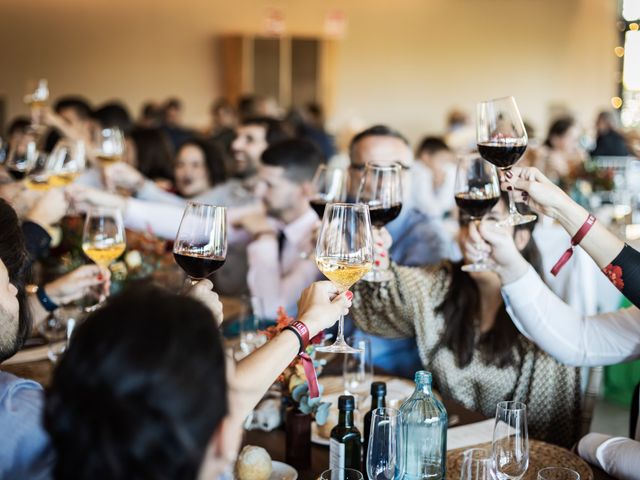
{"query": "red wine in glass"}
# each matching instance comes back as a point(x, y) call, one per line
point(198, 267)
point(381, 215)
point(476, 206)
point(502, 155)
point(318, 205)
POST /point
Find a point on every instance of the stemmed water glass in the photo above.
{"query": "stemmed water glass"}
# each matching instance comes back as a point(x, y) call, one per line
point(200, 247)
point(344, 254)
point(510, 448)
point(502, 140)
point(558, 473)
point(357, 369)
point(384, 455)
point(381, 189)
point(66, 162)
point(476, 192)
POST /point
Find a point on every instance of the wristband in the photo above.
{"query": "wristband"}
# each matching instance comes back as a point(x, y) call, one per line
point(577, 238)
point(301, 331)
point(46, 302)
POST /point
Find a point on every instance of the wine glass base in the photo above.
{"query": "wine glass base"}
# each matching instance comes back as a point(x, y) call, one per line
point(479, 267)
point(517, 219)
point(378, 276)
point(339, 347)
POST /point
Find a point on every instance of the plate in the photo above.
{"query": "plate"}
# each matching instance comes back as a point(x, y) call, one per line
point(316, 438)
point(282, 471)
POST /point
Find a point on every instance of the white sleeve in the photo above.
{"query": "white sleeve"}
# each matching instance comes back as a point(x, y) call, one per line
point(618, 456)
point(153, 193)
point(569, 337)
point(161, 219)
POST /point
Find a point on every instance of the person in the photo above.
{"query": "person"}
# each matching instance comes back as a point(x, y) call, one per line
point(595, 340)
point(277, 272)
point(114, 115)
point(436, 164)
point(167, 405)
point(172, 123)
point(150, 115)
point(609, 141)
point(224, 122)
point(466, 339)
point(71, 117)
point(561, 157)
point(153, 157)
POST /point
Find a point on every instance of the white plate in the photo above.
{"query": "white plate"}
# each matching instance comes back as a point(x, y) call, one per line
point(282, 471)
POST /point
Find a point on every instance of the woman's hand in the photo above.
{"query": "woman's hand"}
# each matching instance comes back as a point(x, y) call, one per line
point(533, 188)
point(381, 244)
point(74, 285)
point(85, 197)
point(504, 252)
point(122, 175)
point(203, 292)
point(49, 208)
point(320, 306)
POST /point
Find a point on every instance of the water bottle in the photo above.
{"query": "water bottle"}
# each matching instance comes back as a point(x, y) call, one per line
point(424, 432)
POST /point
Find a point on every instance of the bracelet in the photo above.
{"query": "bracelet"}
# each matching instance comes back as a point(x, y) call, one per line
point(295, 332)
point(46, 302)
point(302, 332)
point(577, 238)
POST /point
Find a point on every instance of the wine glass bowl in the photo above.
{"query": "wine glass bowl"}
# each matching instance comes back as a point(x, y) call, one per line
point(200, 247)
point(66, 162)
point(109, 145)
point(103, 238)
point(329, 185)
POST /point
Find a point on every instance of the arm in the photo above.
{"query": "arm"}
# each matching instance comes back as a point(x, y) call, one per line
point(618, 456)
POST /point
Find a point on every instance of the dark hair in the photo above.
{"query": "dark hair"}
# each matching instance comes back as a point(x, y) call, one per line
point(609, 118)
point(460, 309)
point(247, 106)
point(432, 145)
point(114, 115)
point(213, 159)
point(173, 103)
point(13, 254)
point(78, 104)
point(558, 128)
point(153, 151)
point(19, 124)
point(299, 158)
point(275, 130)
point(375, 131)
point(141, 388)
point(222, 104)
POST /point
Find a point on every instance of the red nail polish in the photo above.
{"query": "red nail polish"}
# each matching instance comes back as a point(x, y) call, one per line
point(380, 244)
point(382, 254)
point(377, 263)
point(100, 277)
point(508, 174)
point(509, 187)
point(349, 295)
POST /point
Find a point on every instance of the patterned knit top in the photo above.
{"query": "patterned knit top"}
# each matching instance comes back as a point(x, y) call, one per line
point(406, 307)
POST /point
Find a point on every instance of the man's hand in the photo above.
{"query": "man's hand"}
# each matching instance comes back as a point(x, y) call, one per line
point(86, 197)
point(122, 175)
point(256, 224)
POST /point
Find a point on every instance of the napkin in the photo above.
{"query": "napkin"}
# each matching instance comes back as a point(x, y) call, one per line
point(472, 434)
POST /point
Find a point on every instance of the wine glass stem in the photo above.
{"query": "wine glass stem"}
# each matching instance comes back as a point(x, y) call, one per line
point(513, 211)
point(340, 336)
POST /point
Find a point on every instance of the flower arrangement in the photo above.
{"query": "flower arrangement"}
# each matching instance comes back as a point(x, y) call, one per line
point(293, 381)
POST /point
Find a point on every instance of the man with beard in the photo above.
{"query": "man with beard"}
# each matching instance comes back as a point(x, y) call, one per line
point(278, 269)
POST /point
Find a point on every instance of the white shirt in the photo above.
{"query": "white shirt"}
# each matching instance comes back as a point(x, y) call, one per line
point(432, 201)
point(280, 279)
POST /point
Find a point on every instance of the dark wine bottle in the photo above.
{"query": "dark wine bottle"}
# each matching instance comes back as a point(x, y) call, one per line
point(378, 400)
point(345, 445)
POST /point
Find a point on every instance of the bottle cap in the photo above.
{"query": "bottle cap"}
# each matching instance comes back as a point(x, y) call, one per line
point(423, 377)
point(346, 403)
point(378, 388)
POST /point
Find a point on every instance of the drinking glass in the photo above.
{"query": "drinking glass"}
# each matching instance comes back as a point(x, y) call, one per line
point(510, 441)
point(329, 185)
point(38, 174)
point(477, 190)
point(58, 328)
point(384, 455)
point(103, 238)
point(357, 369)
point(200, 247)
point(477, 464)
point(381, 189)
point(109, 145)
point(37, 100)
point(341, 474)
point(558, 473)
point(502, 140)
point(21, 158)
point(344, 254)
point(66, 162)
point(251, 315)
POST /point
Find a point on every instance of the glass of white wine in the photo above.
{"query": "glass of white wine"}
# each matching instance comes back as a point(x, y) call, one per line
point(109, 145)
point(344, 254)
point(103, 239)
point(66, 162)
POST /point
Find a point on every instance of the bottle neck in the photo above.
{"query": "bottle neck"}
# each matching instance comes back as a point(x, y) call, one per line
point(424, 388)
point(378, 401)
point(345, 418)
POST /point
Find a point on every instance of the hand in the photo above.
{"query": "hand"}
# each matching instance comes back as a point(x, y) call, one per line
point(203, 292)
point(49, 208)
point(511, 264)
point(74, 285)
point(381, 243)
point(256, 224)
point(474, 247)
point(122, 175)
point(536, 190)
point(86, 197)
point(320, 306)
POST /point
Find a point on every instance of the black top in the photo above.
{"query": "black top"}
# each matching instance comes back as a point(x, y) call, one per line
point(624, 273)
point(610, 144)
point(37, 240)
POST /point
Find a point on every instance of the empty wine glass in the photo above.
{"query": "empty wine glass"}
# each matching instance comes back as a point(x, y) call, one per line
point(341, 474)
point(502, 140)
point(200, 247)
point(384, 455)
point(558, 473)
point(510, 448)
point(477, 464)
point(357, 369)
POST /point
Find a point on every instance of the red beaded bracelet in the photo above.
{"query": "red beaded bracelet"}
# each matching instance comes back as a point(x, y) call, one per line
point(577, 238)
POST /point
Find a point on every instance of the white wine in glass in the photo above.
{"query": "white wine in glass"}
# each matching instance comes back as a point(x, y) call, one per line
point(110, 146)
point(66, 162)
point(344, 254)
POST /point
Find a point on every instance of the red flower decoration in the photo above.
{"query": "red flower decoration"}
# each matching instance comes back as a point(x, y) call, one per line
point(614, 274)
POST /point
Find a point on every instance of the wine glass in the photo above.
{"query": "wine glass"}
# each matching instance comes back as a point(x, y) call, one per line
point(109, 145)
point(510, 441)
point(381, 189)
point(357, 369)
point(201, 243)
point(341, 474)
point(21, 158)
point(344, 254)
point(66, 162)
point(36, 101)
point(39, 173)
point(477, 464)
point(476, 192)
point(558, 473)
point(384, 455)
point(103, 238)
point(329, 185)
point(502, 140)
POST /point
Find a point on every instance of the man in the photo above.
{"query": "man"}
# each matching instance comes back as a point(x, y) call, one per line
point(278, 273)
point(70, 118)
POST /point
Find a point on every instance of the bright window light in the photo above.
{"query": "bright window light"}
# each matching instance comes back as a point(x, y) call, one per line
point(631, 10)
point(631, 68)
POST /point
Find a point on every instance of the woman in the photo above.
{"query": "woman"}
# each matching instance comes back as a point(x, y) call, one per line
point(143, 387)
point(561, 157)
point(466, 339)
point(603, 339)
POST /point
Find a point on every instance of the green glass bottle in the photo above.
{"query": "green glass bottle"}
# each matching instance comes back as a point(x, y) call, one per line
point(345, 447)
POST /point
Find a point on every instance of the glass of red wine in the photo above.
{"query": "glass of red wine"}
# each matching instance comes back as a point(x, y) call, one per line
point(329, 185)
point(477, 191)
point(201, 243)
point(502, 140)
point(381, 189)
